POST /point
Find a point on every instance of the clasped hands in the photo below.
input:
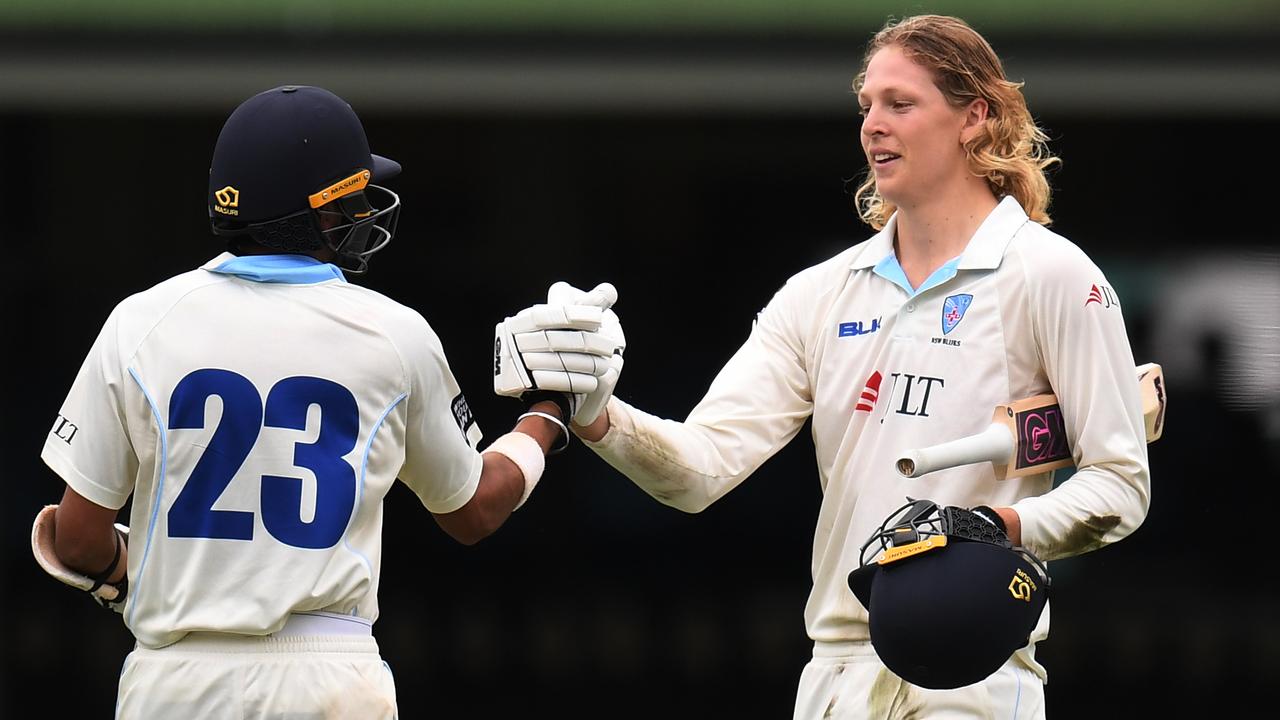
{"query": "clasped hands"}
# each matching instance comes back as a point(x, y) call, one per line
point(571, 345)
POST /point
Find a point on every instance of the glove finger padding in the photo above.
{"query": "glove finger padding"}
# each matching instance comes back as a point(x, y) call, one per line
point(571, 341)
point(42, 547)
point(561, 381)
point(594, 402)
point(572, 344)
point(580, 363)
point(545, 317)
point(611, 327)
point(604, 295)
point(513, 373)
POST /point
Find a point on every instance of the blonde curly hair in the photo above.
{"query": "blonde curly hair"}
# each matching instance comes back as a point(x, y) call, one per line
point(1010, 152)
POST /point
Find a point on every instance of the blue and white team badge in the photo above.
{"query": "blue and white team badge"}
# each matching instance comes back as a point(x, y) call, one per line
point(953, 309)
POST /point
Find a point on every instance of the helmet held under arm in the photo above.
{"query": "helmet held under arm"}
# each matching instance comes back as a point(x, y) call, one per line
point(949, 597)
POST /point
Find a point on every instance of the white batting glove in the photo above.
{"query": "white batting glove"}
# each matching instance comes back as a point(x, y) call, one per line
point(108, 595)
point(555, 348)
point(590, 403)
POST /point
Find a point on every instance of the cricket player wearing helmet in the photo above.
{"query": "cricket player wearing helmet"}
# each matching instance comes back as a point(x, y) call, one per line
point(961, 301)
point(257, 410)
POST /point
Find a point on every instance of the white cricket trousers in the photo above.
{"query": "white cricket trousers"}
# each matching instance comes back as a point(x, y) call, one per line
point(850, 683)
point(318, 667)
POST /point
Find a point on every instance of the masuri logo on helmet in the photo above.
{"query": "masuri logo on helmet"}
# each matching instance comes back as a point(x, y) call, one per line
point(1021, 586)
point(228, 199)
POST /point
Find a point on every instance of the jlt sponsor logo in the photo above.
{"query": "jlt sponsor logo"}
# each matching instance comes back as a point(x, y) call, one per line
point(64, 429)
point(870, 393)
point(908, 394)
point(1102, 295)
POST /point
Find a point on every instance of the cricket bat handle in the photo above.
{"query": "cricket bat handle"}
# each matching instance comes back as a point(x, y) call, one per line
point(995, 444)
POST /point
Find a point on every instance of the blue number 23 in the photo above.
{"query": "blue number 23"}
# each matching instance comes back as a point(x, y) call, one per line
point(243, 417)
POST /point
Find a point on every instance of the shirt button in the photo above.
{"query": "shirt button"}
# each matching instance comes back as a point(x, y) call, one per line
point(911, 307)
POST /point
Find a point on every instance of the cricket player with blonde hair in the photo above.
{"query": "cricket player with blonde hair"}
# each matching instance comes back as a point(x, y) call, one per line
point(962, 300)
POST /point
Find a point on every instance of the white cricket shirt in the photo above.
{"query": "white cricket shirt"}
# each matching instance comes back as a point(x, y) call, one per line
point(257, 410)
point(883, 368)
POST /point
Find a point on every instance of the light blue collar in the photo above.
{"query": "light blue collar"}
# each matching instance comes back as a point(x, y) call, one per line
point(288, 269)
point(889, 269)
point(984, 251)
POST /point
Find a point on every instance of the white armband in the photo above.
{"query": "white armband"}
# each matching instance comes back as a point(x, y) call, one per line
point(526, 453)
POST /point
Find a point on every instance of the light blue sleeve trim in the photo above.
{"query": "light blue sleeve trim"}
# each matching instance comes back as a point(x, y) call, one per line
point(889, 269)
point(286, 269)
point(364, 466)
point(159, 492)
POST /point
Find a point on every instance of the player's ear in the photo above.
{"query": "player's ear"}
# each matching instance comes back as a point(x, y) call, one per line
point(975, 120)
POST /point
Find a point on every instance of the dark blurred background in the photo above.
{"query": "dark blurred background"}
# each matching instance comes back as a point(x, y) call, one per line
point(696, 155)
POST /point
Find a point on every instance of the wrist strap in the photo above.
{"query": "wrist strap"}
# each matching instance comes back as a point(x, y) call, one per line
point(101, 578)
point(557, 421)
point(560, 399)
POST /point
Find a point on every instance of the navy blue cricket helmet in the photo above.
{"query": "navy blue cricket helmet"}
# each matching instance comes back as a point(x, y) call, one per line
point(293, 172)
point(949, 597)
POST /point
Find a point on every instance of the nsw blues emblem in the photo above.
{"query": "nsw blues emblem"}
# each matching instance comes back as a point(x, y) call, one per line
point(953, 309)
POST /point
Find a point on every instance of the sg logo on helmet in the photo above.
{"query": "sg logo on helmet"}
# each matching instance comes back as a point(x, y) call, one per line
point(1021, 586)
point(228, 200)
